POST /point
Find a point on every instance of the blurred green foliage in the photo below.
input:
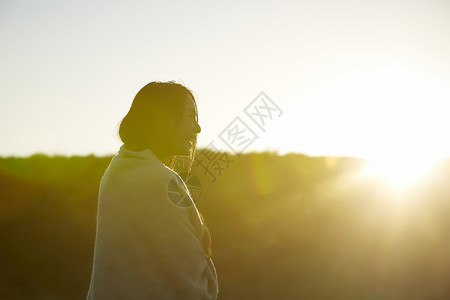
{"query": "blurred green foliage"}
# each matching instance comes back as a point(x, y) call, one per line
point(283, 227)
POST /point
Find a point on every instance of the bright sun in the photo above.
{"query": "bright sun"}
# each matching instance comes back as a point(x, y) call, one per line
point(400, 172)
point(394, 117)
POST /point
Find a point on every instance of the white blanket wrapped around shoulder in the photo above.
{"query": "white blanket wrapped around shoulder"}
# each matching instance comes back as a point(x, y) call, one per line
point(146, 246)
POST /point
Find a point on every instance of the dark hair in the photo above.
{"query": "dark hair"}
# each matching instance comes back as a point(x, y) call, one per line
point(156, 102)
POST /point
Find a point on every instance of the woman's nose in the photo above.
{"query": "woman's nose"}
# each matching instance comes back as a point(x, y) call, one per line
point(197, 128)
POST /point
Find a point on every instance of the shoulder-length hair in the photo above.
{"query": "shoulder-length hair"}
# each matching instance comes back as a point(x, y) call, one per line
point(143, 121)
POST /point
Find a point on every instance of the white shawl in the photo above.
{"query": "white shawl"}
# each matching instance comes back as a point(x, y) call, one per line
point(146, 246)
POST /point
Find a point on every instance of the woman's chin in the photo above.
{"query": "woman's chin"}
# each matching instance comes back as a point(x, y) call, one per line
point(185, 150)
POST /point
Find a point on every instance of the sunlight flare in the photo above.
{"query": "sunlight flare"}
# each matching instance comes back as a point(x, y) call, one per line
point(399, 171)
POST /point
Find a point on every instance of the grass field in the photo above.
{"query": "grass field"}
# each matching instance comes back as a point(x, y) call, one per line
point(283, 227)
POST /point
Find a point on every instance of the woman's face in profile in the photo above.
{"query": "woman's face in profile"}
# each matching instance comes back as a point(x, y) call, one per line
point(187, 129)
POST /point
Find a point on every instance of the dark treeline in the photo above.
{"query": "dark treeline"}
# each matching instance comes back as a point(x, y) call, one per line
point(283, 227)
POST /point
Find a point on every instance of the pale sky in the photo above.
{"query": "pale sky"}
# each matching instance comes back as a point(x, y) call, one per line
point(354, 78)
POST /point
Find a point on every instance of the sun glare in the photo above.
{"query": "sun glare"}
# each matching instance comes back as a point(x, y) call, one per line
point(395, 117)
point(399, 172)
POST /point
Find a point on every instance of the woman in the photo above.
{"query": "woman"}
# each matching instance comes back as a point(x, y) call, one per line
point(147, 245)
